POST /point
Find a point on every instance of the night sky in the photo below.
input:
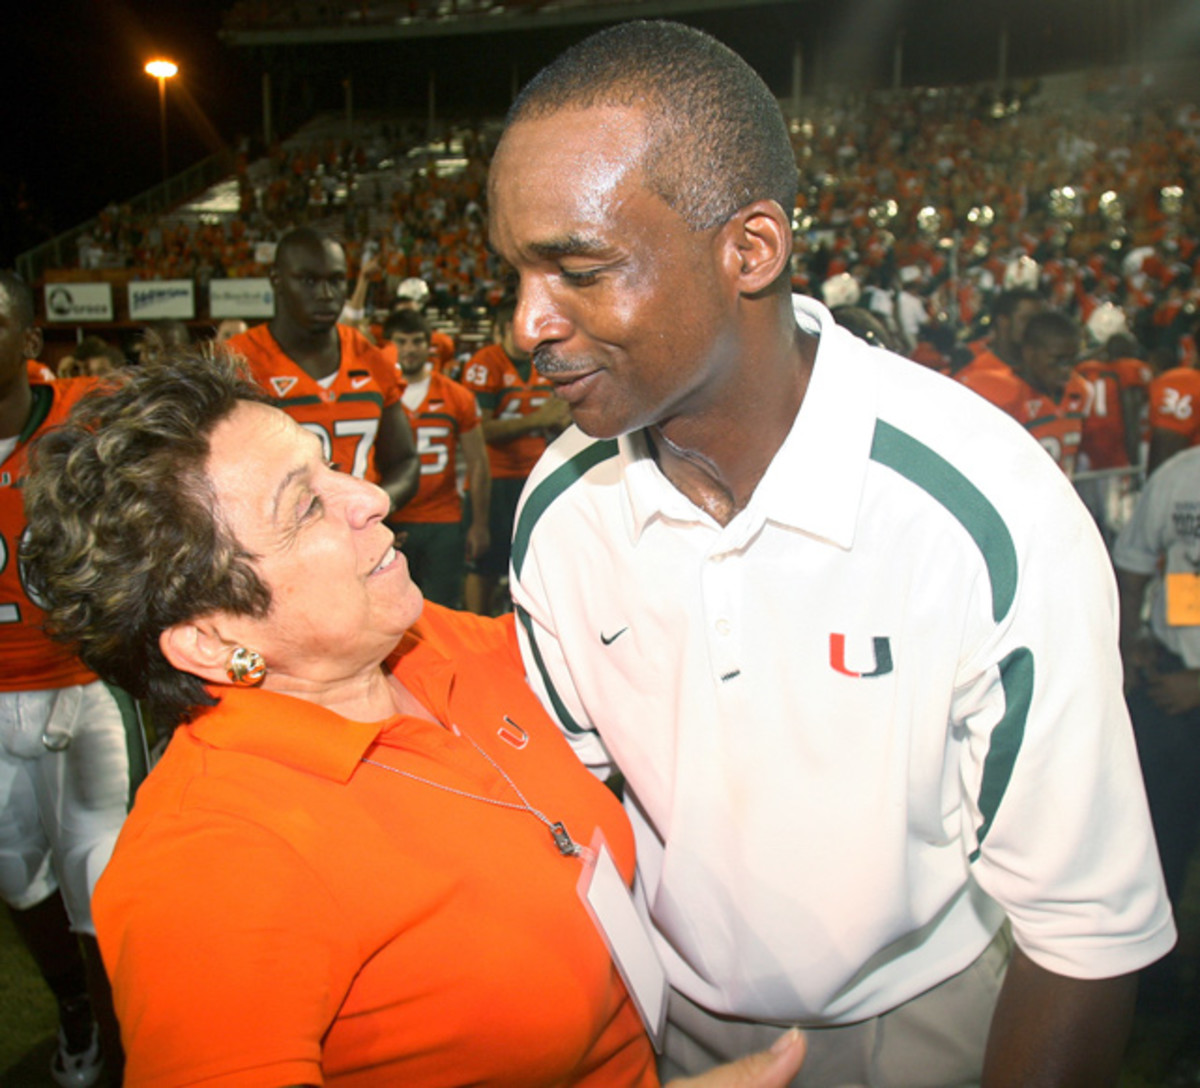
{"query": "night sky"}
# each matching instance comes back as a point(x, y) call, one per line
point(80, 121)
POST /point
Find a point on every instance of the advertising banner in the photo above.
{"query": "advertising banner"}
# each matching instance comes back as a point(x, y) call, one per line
point(150, 300)
point(241, 298)
point(79, 302)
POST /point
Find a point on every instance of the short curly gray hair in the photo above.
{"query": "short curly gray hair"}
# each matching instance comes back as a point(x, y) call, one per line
point(123, 542)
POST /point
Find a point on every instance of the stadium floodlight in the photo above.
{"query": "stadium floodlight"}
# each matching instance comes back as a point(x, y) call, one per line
point(162, 70)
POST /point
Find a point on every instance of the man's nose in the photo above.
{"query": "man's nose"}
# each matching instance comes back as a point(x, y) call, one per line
point(538, 318)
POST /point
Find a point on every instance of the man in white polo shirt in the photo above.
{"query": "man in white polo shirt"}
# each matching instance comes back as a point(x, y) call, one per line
point(847, 632)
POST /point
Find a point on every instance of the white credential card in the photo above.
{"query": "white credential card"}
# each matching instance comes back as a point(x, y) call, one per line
point(610, 904)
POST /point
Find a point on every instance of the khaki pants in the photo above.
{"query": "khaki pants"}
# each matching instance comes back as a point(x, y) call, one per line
point(936, 1040)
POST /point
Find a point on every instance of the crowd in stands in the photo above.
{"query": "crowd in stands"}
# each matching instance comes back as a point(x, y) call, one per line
point(934, 194)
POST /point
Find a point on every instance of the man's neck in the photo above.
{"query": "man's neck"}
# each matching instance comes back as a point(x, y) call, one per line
point(15, 406)
point(718, 462)
point(318, 354)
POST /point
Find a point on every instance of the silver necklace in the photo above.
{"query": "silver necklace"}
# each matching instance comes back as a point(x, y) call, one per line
point(562, 839)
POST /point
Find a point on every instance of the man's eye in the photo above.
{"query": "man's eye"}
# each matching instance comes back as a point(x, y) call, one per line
point(579, 279)
point(313, 509)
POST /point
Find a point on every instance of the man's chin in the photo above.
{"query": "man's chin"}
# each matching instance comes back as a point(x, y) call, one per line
point(596, 425)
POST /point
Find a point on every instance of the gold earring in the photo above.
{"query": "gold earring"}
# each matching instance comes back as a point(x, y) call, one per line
point(246, 667)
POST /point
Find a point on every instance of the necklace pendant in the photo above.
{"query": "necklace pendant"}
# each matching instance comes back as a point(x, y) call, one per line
point(564, 842)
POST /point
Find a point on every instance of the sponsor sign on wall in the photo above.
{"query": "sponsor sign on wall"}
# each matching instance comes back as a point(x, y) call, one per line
point(150, 300)
point(251, 297)
point(79, 302)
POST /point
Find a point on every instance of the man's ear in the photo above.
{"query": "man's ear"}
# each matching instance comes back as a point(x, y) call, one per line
point(199, 646)
point(33, 342)
point(758, 241)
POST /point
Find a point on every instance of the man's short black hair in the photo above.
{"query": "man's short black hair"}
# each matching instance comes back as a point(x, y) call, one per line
point(718, 139)
point(1049, 325)
point(302, 238)
point(406, 322)
point(20, 294)
point(1006, 303)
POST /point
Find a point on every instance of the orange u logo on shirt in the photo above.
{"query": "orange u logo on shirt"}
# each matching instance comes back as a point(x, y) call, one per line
point(883, 656)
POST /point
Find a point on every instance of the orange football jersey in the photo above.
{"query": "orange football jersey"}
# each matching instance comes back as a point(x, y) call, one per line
point(345, 416)
point(1103, 439)
point(447, 411)
point(1175, 403)
point(499, 388)
point(1058, 427)
point(32, 661)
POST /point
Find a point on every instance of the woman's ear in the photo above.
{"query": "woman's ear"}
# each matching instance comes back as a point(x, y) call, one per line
point(758, 238)
point(200, 647)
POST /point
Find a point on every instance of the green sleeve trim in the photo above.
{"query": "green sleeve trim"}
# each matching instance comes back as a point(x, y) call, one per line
point(550, 488)
point(962, 499)
point(1016, 676)
point(560, 710)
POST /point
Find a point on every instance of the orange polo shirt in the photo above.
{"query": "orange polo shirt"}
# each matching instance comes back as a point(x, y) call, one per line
point(278, 912)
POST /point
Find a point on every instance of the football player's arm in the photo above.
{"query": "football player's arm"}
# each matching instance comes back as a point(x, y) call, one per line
point(480, 492)
point(1050, 1031)
point(553, 415)
point(1164, 444)
point(396, 456)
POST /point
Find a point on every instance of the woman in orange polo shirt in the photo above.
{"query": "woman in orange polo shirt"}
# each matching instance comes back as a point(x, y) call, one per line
point(356, 863)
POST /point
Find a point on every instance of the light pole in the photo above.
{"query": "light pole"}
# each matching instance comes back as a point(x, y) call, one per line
point(162, 70)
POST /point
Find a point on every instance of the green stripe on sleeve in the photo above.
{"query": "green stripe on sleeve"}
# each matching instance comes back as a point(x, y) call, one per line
point(549, 490)
point(1016, 676)
point(965, 502)
point(560, 710)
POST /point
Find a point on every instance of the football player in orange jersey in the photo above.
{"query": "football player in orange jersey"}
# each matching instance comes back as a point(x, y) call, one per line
point(1042, 393)
point(1011, 310)
point(1174, 398)
point(326, 376)
point(444, 416)
point(1112, 429)
point(71, 748)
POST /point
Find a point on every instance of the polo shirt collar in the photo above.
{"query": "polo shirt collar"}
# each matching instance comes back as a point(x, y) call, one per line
point(815, 481)
point(310, 737)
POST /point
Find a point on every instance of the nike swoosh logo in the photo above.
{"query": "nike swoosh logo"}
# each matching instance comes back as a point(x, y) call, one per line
point(608, 640)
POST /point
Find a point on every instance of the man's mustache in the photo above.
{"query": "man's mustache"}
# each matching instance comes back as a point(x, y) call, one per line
point(550, 362)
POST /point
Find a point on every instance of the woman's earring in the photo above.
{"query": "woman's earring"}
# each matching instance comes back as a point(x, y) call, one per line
point(246, 667)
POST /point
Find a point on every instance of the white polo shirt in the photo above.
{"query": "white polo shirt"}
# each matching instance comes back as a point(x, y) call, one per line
point(865, 720)
point(1166, 525)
